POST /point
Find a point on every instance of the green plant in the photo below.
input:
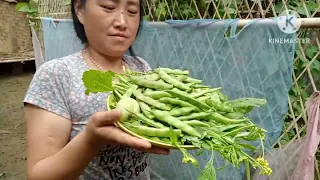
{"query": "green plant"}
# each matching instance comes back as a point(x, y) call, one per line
point(207, 127)
point(30, 8)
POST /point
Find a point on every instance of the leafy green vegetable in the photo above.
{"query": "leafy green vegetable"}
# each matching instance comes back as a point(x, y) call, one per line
point(194, 140)
point(98, 81)
point(245, 105)
point(190, 114)
point(208, 172)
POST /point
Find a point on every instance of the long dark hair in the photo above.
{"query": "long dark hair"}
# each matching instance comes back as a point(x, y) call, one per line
point(78, 27)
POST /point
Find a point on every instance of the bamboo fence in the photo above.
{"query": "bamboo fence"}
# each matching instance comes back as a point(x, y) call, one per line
point(15, 39)
point(307, 58)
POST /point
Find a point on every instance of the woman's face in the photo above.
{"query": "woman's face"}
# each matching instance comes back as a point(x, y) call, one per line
point(110, 25)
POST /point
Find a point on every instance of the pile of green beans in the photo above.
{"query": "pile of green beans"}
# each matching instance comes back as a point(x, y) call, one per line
point(177, 110)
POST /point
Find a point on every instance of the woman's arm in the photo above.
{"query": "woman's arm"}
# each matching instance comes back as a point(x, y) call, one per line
point(50, 156)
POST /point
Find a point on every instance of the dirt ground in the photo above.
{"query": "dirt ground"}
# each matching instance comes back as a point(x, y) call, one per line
point(12, 126)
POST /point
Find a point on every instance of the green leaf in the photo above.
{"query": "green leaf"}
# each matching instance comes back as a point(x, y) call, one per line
point(245, 105)
point(292, 133)
point(98, 81)
point(313, 6)
point(283, 141)
point(278, 7)
point(208, 171)
point(315, 73)
point(173, 136)
point(315, 65)
point(311, 51)
point(304, 95)
point(33, 10)
point(23, 7)
point(247, 102)
point(302, 83)
point(194, 140)
point(300, 9)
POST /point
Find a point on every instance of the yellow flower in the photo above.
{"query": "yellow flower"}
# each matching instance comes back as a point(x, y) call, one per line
point(265, 169)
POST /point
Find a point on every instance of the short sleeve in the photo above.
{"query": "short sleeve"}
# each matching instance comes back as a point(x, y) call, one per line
point(145, 64)
point(49, 88)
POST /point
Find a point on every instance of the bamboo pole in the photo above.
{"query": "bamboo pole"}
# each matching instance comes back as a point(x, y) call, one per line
point(305, 22)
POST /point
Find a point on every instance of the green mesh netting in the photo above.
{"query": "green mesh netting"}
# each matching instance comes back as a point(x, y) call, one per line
point(255, 62)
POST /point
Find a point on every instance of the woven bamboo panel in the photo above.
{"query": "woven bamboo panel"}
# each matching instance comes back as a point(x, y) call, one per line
point(55, 8)
point(15, 35)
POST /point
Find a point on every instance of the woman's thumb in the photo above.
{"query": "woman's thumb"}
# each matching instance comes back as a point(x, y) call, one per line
point(106, 117)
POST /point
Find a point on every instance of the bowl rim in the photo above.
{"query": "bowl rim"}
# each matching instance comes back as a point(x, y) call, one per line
point(153, 142)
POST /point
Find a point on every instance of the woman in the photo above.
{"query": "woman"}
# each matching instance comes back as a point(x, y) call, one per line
point(71, 135)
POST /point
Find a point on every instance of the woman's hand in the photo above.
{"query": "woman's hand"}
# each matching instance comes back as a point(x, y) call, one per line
point(100, 130)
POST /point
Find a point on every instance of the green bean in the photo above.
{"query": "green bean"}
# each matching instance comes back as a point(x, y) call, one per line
point(234, 115)
point(224, 120)
point(165, 140)
point(180, 78)
point(198, 115)
point(248, 146)
point(119, 88)
point(163, 75)
point(182, 111)
point(236, 131)
point(129, 92)
point(161, 81)
point(218, 106)
point(148, 90)
point(211, 129)
point(157, 94)
point(193, 80)
point(196, 123)
point(150, 84)
point(203, 92)
point(203, 98)
point(139, 90)
point(242, 135)
point(151, 77)
point(229, 140)
point(200, 86)
point(118, 94)
point(150, 101)
point(165, 117)
point(148, 121)
point(190, 85)
point(156, 132)
point(215, 97)
point(123, 85)
point(230, 127)
point(178, 102)
point(185, 97)
point(145, 109)
point(122, 79)
point(154, 138)
point(173, 71)
point(222, 96)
